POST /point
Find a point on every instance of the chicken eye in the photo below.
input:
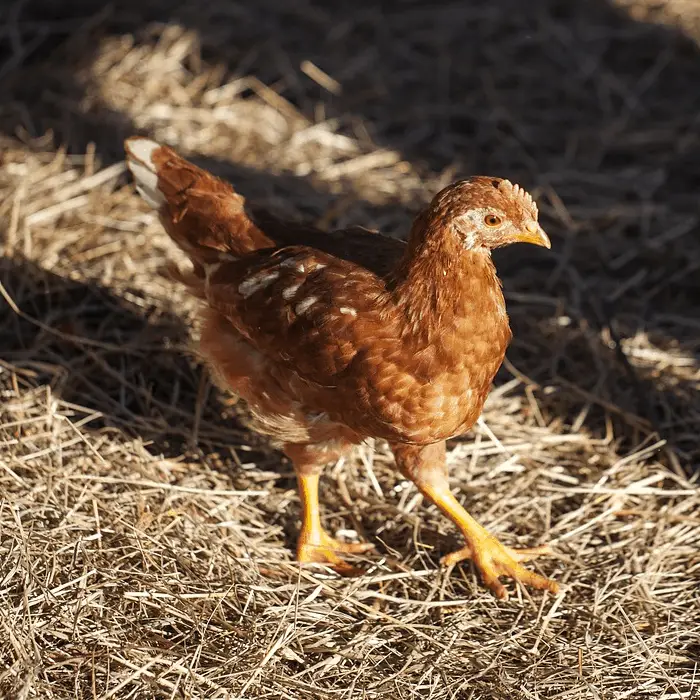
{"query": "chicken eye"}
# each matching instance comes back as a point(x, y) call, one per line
point(492, 220)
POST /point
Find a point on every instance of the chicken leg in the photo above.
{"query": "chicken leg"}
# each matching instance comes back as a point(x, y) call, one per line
point(426, 467)
point(315, 545)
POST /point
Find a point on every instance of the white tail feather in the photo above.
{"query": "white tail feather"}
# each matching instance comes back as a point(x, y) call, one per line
point(139, 152)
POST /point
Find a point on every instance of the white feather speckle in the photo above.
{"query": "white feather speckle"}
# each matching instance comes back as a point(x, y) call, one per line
point(256, 283)
point(290, 292)
point(348, 311)
point(304, 305)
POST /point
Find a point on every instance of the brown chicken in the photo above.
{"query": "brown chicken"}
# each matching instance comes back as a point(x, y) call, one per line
point(336, 337)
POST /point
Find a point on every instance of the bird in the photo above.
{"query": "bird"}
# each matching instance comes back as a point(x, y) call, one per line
point(336, 337)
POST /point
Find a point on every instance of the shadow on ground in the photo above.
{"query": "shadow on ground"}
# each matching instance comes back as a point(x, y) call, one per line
point(124, 358)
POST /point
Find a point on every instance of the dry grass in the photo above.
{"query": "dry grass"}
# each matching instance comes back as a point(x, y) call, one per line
point(146, 537)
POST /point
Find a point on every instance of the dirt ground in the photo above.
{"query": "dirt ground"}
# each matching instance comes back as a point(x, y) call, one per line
point(146, 537)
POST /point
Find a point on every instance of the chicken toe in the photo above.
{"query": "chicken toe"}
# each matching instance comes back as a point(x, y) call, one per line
point(318, 547)
point(493, 559)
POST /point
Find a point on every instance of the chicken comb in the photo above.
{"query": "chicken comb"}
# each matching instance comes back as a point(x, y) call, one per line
point(520, 193)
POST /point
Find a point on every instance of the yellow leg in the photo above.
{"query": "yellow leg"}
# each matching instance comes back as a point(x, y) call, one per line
point(315, 544)
point(490, 557)
point(426, 468)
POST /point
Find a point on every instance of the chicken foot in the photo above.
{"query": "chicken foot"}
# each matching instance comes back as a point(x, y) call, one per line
point(315, 545)
point(426, 467)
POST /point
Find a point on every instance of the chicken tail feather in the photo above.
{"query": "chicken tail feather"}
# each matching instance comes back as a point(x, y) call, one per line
point(141, 163)
point(203, 214)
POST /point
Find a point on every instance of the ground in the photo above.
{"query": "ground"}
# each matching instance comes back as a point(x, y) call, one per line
point(146, 537)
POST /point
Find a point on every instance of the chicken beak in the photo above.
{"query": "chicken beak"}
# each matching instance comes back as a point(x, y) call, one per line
point(533, 233)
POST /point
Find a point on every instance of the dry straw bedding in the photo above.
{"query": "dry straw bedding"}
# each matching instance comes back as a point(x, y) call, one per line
point(146, 536)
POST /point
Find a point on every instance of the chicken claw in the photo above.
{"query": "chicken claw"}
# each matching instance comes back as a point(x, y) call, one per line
point(494, 559)
point(318, 547)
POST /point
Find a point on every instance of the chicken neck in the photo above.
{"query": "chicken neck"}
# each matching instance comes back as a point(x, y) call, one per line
point(441, 284)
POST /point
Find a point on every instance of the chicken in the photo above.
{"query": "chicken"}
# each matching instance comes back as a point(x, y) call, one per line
point(336, 337)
